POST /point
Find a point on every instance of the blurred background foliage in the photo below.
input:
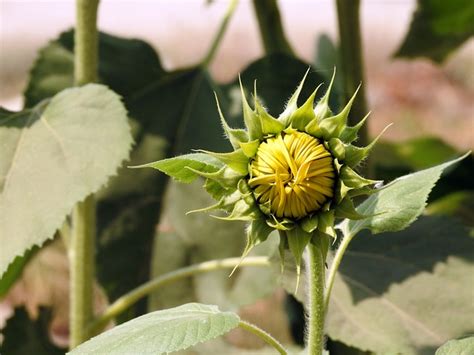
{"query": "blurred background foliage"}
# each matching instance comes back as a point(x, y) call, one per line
point(142, 226)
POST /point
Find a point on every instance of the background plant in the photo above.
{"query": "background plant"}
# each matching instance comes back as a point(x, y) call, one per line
point(128, 209)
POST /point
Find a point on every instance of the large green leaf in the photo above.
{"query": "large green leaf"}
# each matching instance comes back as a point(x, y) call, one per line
point(405, 292)
point(162, 332)
point(438, 28)
point(397, 205)
point(464, 346)
point(54, 156)
point(23, 335)
point(125, 65)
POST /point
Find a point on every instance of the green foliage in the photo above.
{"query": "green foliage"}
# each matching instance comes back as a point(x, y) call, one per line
point(55, 157)
point(163, 331)
point(181, 167)
point(438, 28)
point(463, 346)
point(405, 292)
point(397, 205)
point(25, 336)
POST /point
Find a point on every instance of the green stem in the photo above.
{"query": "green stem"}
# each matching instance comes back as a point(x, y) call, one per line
point(127, 300)
point(271, 28)
point(316, 313)
point(81, 261)
point(220, 33)
point(351, 61)
point(86, 42)
point(82, 243)
point(335, 266)
point(264, 336)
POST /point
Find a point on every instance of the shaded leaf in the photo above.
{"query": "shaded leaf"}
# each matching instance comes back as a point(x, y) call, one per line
point(398, 204)
point(163, 331)
point(405, 292)
point(438, 28)
point(125, 65)
point(54, 157)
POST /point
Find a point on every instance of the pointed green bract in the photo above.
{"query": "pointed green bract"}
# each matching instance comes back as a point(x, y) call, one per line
point(250, 148)
point(349, 134)
point(333, 126)
point(298, 239)
point(236, 160)
point(292, 104)
point(250, 118)
point(304, 114)
point(322, 109)
point(235, 136)
point(354, 155)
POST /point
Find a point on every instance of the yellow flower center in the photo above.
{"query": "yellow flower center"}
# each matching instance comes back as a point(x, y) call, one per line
point(292, 175)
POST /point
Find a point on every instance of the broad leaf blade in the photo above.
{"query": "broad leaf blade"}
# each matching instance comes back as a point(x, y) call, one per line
point(163, 331)
point(438, 28)
point(405, 292)
point(398, 204)
point(54, 158)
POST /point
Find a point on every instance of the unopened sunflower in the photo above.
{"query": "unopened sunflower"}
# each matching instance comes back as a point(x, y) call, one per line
point(294, 173)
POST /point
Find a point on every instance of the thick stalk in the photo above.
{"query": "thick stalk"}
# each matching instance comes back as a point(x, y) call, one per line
point(351, 61)
point(271, 28)
point(267, 338)
point(127, 300)
point(81, 251)
point(316, 313)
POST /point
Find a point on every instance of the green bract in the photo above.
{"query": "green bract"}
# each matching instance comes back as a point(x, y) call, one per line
point(294, 173)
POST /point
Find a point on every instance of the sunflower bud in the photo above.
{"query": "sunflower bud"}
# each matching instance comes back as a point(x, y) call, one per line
point(294, 173)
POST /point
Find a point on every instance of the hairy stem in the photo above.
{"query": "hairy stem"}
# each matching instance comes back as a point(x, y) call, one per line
point(220, 33)
point(127, 300)
point(335, 266)
point(267, 338)
point(81, 251)
point(271, 28)
point(351, 61)
point(316, 313)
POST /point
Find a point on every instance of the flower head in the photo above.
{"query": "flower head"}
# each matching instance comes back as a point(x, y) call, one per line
point(294, 173)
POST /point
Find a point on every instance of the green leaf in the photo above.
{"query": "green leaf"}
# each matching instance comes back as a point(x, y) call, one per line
point(438, 28)
point(398, 204)
point(180, 167)
point(162, 332)
point(405, 292)
point(25, 336)
point(125, 65)
point(54, 157)
point(464, 346)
